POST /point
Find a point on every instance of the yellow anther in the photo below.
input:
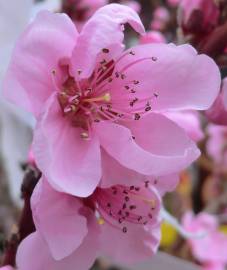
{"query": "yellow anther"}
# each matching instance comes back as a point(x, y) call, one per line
point(101, 221)
point(105, 97)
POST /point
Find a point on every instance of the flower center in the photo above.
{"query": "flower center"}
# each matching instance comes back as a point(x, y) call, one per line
point(85, 101)
point(121, 206)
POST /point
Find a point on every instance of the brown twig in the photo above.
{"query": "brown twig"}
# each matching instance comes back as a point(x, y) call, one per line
point(26, 224)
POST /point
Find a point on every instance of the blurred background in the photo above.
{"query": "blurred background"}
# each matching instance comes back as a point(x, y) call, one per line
point(202, 188)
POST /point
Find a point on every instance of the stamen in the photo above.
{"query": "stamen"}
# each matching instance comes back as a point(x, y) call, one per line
point(101, 221)
point(84, 135)
point(70, 108)
point(105, 97)
point(79, 71)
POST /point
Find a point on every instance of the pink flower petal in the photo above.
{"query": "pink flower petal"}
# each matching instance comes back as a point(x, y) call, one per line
point(70, 163)
point(33, 253)
point(151, 153)
point(212, 246)
point(167, 183)
point(214, 266)
point(102, 31)
point(189, 121)
point(139, 243)
point(113, 173)
point(191, 81)
point(57, 218)
point(49, 38)
point(217, 114)
point(152, 37)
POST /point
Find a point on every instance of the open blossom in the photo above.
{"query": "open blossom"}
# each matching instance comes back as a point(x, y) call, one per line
point(129, 216)
point(97, 105)
point(209, 249)
point(198, 16)
point(218, 111)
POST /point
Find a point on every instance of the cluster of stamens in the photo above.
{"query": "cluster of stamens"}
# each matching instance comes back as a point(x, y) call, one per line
point(120, 205)
point(90, 100)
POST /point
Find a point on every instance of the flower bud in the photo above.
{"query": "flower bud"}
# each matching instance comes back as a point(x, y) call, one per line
point(198, 16)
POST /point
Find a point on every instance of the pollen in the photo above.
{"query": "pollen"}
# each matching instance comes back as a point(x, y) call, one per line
point(107, 97)
point(101, 221)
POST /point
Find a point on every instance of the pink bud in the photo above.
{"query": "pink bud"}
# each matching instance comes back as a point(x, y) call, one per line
point(198, 16)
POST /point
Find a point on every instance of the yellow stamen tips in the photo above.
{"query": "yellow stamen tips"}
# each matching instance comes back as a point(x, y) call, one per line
point(101, 221)
point(84, 135)
point(105, 97)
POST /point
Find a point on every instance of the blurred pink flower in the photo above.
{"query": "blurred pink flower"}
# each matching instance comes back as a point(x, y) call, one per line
point(152, 37)
point(132, 4)
point(209, 249)
point(73, 232)
point(160, 18)
point(197, 16)
point(218, 112)
point(97, 105)
point(173, 3)
point(216, 144)
point(81, 11)
point(7, 267)
point(189, 121)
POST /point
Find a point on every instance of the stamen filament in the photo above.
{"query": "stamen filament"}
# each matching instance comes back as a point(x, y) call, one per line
point(106, 97)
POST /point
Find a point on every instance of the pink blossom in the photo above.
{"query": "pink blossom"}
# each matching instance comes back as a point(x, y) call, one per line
point(160, 17)
point(189, 121)
point(7, 267)
point(210, 248)
point(198, 15)
point(152, 37)
point(132, 4)
point(98, 106)
point(216, 144)
point(218, 112)
point(129, 216)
